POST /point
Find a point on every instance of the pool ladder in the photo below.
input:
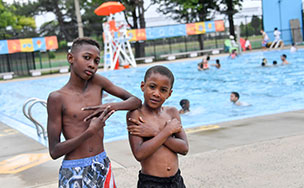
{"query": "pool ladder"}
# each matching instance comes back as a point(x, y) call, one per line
point(28, 113)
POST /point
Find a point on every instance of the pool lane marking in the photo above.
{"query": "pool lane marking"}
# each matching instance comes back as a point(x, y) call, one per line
point(22, 162)
point(7, 132)
point(202, 128)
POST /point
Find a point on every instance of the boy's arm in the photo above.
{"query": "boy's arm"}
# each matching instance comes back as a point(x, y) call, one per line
point(130, 102)
point(178, 142)
point(54, 127)
point(142, 149)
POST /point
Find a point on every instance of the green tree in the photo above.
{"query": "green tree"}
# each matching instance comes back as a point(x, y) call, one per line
point(256, 23)
point(230, 8)
point(189, 11)
point(12, 23)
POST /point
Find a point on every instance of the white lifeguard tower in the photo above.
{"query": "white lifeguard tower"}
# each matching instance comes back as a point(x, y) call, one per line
point(117, 48)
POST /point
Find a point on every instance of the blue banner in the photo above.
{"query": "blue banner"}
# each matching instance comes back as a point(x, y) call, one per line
point(39, 44)
point(166, 31)
point(209, 26)
point(3, 47)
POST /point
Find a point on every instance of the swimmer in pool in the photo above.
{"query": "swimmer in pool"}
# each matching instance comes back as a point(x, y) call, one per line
point(185, 104)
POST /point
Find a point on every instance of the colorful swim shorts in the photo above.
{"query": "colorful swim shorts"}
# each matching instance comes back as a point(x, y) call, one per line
point(87, 172)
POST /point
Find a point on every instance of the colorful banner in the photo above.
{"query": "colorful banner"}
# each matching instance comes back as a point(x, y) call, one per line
point(3, 47)
point(28, 45)
point(165, 31)
point(151, 33)
point(219, 25)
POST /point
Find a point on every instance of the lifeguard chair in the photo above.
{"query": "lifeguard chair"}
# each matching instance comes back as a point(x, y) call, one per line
point(117, 48)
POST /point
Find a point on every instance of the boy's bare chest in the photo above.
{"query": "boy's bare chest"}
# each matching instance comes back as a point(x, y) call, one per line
point(74, 103)
point(157, 121)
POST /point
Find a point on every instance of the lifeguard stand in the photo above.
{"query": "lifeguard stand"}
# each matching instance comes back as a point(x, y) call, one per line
point(117, 48)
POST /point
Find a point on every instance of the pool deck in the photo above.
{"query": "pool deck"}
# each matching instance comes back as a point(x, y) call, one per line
point(264, 151)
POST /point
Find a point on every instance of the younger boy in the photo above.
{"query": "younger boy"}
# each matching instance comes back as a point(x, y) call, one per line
point(284, 60)
point(156, 135)
point(85, 162)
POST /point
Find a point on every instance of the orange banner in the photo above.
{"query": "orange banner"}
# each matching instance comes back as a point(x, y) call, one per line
point(219, 25)
point(14, 46)
point(51, 43)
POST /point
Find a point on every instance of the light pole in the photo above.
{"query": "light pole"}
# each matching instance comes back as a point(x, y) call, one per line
point(79, 21)
point(279, 1)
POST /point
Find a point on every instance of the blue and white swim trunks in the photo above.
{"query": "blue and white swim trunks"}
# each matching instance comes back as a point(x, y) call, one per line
point(87, 173)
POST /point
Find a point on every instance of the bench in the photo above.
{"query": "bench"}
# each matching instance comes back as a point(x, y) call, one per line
point(191, 53)
point(6, 75)
point(38, 72)
point(145, 59)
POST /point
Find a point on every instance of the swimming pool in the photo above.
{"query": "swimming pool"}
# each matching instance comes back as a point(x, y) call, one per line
point(268, 89)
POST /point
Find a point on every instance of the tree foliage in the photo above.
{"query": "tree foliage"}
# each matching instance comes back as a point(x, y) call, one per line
point(230, 7)
point(252, 28)
point(188, 11)
point(12, 22)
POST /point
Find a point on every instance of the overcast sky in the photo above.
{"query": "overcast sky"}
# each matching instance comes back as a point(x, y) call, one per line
point(250, 7)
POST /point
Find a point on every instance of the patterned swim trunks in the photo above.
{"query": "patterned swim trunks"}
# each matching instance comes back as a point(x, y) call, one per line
point(87, 172)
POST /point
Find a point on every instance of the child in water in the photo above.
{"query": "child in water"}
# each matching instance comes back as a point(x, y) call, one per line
point(185, 104)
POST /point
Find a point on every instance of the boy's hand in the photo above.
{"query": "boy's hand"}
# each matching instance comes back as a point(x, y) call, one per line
point(98, 110)
point(141, 128)
point(174, 126)
point(99, 122)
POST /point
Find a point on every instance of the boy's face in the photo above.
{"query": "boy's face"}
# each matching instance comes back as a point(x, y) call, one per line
point(233, 98)
point(282, 58)
point(157, 89)
point(84, 60)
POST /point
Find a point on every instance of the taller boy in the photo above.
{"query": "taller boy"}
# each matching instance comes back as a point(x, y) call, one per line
point(85, 163)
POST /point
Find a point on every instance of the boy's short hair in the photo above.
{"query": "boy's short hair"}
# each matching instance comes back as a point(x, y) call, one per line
point(236, 94)
point(217, 61)
point(263, 64)
point(274, 62)
point(183, 102)
point(161, 70)
point(208, 58)
point(275, 28)
point(284, 55)
point(84, 40)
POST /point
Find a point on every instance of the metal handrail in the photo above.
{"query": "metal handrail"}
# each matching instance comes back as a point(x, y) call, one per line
point(28, 114)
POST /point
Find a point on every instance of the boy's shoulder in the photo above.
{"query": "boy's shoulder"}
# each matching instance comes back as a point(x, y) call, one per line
point(171, 110)
point(56, 96)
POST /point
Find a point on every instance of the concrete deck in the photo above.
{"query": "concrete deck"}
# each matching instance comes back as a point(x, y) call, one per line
point(264, 151)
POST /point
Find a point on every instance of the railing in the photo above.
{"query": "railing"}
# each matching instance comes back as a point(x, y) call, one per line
point(27, 111)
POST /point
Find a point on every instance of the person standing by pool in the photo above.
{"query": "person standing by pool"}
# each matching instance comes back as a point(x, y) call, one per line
point(85, 162)
point(158, 152)
point(265, 38)
point(185, 104)
point(284, 59)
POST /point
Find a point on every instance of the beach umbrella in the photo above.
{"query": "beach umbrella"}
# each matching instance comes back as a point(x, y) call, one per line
point(110, 7)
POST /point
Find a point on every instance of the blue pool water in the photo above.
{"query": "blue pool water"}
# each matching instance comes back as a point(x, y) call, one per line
point(268, 89)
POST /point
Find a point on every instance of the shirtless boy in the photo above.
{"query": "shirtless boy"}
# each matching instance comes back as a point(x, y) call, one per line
point(85, 162)
point(284, 59)
point(156, 135)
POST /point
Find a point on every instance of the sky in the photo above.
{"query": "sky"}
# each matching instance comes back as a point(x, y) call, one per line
point(153, 18)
